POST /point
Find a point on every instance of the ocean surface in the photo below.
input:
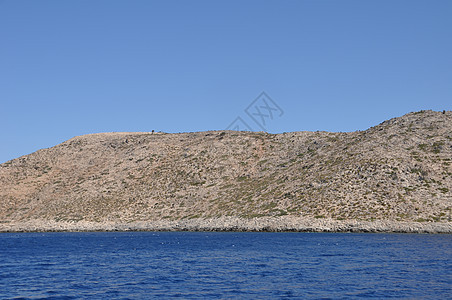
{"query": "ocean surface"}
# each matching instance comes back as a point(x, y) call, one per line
point(205, 265)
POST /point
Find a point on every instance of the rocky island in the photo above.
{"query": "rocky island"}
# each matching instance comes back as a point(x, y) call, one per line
point(394, 177)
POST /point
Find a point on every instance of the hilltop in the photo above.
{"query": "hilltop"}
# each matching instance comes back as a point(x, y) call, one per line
point(395, 176)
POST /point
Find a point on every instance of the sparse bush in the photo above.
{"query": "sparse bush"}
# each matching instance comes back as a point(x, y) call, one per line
point(444, 190)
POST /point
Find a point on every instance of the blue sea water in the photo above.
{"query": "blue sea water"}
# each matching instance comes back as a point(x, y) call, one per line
point(205, 265)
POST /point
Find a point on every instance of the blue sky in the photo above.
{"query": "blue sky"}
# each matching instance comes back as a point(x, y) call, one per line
point(69, 68)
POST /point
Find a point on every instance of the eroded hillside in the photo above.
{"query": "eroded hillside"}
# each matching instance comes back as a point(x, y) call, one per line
point(398, 170)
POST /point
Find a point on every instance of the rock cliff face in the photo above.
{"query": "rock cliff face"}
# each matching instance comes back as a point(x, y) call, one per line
point(397, 171)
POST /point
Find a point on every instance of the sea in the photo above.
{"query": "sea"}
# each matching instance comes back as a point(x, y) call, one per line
point(224, 265)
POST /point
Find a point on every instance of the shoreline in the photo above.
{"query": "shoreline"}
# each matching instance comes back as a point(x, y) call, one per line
point(234, 224)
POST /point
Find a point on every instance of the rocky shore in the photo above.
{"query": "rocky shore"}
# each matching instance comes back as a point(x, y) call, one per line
point(263, 224)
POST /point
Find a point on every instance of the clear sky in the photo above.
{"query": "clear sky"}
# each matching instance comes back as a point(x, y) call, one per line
point(75, 67)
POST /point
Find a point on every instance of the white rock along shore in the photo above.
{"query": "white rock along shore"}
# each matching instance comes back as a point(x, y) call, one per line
point(270, 224)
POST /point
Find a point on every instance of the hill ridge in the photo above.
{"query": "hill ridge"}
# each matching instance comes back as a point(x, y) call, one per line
point(397, 171)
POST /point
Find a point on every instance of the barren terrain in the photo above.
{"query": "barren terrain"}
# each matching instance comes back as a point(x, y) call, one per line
point(395, 174)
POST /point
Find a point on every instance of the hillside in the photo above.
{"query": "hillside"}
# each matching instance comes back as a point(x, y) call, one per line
point(397, 171)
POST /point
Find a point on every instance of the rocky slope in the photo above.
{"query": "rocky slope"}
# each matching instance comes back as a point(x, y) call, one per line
point(398, 171)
